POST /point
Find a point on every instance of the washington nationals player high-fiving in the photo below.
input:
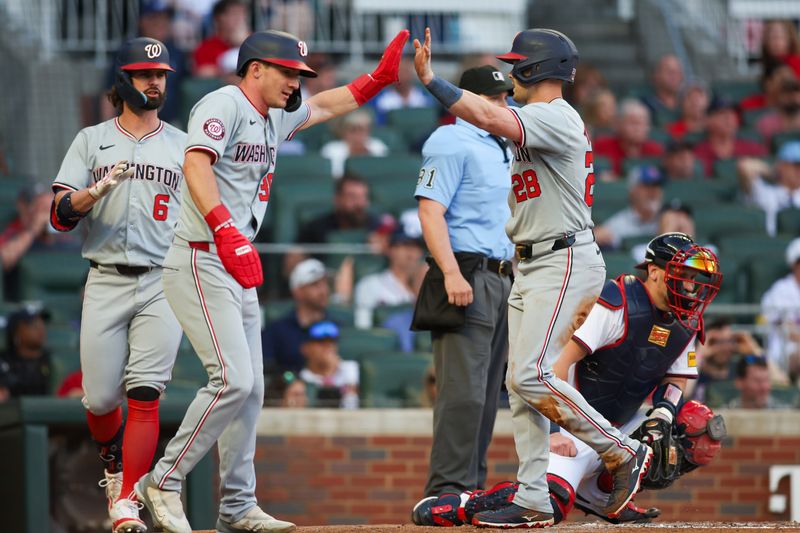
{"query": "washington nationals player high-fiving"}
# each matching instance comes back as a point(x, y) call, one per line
point(123, 178)
point(211, 269)
point(561, 269)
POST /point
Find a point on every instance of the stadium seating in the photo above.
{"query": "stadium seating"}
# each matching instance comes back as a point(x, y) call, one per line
point(721, 220)
point(308, 168)
point(393, 379)
point(618, 263)
point(789, 221)
point(292, 197)
point(393, 167)
point(192, 90)
point(413, 124)
point(354, 343)
point(41, 272)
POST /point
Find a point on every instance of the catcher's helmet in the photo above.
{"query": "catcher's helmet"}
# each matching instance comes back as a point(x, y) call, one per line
point(691, 273)
point(540, 54)
point(142, 53)
point(276, 47)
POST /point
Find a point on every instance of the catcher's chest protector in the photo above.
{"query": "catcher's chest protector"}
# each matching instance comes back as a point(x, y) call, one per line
point(616, 380)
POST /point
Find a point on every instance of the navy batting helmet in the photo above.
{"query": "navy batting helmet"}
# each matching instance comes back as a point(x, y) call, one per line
point(539, 54)
point(276, 47)
point(142, 53)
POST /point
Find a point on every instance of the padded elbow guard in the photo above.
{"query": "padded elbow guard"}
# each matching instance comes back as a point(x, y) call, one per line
point(66, 216)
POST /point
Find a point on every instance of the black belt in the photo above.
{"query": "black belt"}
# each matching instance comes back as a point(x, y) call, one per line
point(525, 251)
point(125, 270)
point(498, 266)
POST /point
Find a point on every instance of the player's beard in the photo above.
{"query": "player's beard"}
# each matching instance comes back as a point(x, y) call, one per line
point(155, 102)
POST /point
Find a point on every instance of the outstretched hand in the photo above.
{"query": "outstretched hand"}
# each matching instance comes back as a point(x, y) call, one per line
point(422, 58)
point(389, 66)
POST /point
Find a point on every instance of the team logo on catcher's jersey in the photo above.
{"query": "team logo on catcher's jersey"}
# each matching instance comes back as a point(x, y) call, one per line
point(692, 359)
point(214, 128)
point(659, 336)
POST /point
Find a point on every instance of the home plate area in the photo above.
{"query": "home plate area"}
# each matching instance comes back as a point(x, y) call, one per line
point(722, 527)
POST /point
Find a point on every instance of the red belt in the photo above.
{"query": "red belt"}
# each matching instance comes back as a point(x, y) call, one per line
point(200, 245)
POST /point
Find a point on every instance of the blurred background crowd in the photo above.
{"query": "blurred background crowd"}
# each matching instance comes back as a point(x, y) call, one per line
point(693, 109)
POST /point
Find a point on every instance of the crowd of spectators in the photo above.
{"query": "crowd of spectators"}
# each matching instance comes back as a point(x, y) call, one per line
point(644, 138)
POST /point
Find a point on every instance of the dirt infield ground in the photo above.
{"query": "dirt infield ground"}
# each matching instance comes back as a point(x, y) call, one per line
point(721, 527)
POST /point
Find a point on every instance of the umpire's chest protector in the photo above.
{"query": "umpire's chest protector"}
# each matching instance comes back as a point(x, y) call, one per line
point(616, 379)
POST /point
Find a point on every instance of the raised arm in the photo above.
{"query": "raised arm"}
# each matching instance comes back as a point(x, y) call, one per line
point(335, 102)
point(464, 104)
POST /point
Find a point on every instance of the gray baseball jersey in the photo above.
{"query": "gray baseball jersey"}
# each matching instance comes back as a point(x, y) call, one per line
point(551, 195)
point(242, 143)
point(220, 318)
point(552, 177)
point(133, 225)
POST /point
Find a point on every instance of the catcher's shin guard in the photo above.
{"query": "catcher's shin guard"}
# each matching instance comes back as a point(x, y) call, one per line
point(562, 497)
point(499, 496)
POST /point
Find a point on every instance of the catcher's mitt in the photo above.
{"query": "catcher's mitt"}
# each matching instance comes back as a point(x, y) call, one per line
point(668, 456)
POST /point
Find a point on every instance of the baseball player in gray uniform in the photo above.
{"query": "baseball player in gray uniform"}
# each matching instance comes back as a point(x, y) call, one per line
point(123, 178)
point(212, 269)
point(561, 268)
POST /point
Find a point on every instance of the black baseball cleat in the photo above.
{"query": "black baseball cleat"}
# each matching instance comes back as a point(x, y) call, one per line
point(627, 478)
point(632, 514)
point(512, 517)
point(497, 497)
point(445, 510)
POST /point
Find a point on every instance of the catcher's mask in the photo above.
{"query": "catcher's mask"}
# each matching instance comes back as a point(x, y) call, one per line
point(142, 53)
point(693, 279)
point(701, 432)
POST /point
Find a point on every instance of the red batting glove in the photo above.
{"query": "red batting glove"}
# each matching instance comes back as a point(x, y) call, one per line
point(366, 86)
point(238, 255)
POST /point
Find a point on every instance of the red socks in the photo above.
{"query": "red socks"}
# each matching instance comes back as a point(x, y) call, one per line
point(104, 427)
point(139, 444)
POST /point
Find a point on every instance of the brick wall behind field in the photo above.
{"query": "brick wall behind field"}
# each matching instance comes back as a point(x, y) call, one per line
point(377, 477)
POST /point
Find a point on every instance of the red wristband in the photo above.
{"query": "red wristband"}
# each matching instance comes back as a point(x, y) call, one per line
point(365, 87)
point(218, 218)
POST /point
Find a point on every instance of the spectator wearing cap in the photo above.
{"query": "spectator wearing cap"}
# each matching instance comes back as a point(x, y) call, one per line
point(772, 189)
point(355, 139)
point(694, 106)
point(679, 162)
point(230, 30)
point(335, 381)
point(285, 389)
point(462, 194)
point(393, 286)
point(780, 307)
point(664, 100)
point(754, 385)
point(25, 365)
point(721, 141)
point(640, 218)
point(631, 138)
point(281, 339)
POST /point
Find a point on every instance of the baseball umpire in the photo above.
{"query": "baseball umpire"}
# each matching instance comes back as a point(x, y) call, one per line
point(561, 268)
point(212, 269)
point(461, 190)
point(123, 177)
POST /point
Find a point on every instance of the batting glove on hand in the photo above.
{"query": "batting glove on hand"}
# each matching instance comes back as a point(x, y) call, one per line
point(368, 85)
point(238, 255)
point(120, 172)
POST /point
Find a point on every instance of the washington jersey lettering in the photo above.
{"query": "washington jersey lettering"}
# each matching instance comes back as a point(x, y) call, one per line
point(242, 144)
point(552, 176)
point(133, 225)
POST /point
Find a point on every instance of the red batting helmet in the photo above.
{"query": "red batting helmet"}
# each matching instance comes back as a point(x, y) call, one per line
point(701, 432)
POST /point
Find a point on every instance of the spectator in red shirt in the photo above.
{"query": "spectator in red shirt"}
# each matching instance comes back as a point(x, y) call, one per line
point(663, 100)
point(694, 105)
point(780, 44)
point(774, 77)
point(631, 139)
point(230, 30)
point(721, 140)
point(785, 116)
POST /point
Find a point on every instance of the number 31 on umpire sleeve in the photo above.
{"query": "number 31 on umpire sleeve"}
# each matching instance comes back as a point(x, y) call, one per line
point(427, 175)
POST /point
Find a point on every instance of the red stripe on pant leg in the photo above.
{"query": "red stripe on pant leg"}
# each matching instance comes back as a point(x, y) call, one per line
point(575, 408)
point(218, 395)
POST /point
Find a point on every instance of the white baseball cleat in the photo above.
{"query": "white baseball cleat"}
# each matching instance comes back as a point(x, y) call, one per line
point(165, 506)
point(113, 485)
point(255, 521)
point(124, 516)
